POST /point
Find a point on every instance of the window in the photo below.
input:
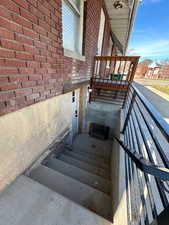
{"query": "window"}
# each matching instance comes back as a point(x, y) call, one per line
point(101, 33)
point(72, 15)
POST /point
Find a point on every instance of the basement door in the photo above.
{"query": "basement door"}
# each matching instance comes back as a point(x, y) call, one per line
point(75, 113)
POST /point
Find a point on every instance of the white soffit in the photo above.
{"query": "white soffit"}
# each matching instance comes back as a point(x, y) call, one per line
point(120, 20)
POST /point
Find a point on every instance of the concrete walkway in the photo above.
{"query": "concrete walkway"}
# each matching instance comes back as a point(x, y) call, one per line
point(157, 98)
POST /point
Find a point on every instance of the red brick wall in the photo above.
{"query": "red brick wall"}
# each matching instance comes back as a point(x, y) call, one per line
point(32, 65)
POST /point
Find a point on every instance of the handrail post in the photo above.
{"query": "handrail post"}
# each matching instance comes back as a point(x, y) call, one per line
point(129, 112)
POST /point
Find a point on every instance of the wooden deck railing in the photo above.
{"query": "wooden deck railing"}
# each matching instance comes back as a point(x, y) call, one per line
point(113, 73)
point(115, 67)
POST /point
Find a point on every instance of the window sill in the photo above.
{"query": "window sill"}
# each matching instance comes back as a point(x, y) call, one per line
point(74, 55)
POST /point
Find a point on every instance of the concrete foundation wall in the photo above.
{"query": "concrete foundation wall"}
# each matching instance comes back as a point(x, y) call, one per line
point(27, 133)
point(118, 176)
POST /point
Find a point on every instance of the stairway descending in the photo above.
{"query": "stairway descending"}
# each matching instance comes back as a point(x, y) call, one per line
point(81, 176)
point(108, 96)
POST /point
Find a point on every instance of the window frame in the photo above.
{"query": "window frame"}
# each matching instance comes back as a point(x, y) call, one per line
point(77, 54)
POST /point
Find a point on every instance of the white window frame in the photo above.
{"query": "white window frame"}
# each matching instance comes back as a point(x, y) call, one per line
point(101, 32)
point(80, 12)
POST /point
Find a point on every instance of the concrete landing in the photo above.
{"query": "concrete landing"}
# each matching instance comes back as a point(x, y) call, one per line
point(83, 194)
point(27, 202)
point(81, 175)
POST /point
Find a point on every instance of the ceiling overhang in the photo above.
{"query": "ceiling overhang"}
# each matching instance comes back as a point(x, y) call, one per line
point(121, 21)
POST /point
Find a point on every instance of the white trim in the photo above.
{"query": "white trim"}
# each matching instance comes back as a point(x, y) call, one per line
point(67, 52)
point(74, 55)
point(74, 7)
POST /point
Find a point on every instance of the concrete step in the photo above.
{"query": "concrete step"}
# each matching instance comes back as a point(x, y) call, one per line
point(90, 155)
point(76, 191)
point(85, 166)
point(80, 174)
point(106, 101)
point(27, 202)
point(87, 159)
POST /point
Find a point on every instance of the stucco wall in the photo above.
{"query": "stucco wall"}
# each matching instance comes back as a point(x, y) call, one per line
point(26, 134)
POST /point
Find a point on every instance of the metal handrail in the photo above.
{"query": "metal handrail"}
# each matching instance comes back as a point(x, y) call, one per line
point(144, 165)
point(146, 145)
point(160, 122)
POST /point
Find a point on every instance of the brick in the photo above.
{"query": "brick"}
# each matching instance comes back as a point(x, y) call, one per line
point(40, 70)
point(9, 25)
point(22, 3)
point(45, 40)
point(23, 39)
point(39, 30)
point(40, 45)
point(28, 84)
point(8, 71)
point(18, 101)
point(9, 86)
point(52, 49)
point(5, 13)
point(33, 2)
point(40, 58)
point(47, 77)
point(33, 96)
point(6, 34)
point(33, 64)
point(9, 4)
point(18, 78)
point(26, 14)
point(22, 21)
point(4, 95)
point(23, 92)
point(26, 70)
point(38, 89)
point(12, 45)
point(35, 77)
point(15, 63)
point(30, 102)
point(31, 49)
point(25, 56)
point(41, 82)
point(30, 33)
point(2, 107)
point(45, 53)
point(51, 81)
point(3, 79)
point(7, 53)
point(43, 9)
point(44, 25)
point(36, 12)
point(51, 60)
point(45, 65)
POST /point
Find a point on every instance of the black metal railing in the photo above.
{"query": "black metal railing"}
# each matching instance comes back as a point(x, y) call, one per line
point(147, 133)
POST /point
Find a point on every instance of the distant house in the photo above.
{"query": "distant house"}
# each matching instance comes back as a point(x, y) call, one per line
point(153, 71)
point(143, 68)
point(164, 72)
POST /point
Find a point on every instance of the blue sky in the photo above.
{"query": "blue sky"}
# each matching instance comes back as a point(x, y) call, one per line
point(150, 36)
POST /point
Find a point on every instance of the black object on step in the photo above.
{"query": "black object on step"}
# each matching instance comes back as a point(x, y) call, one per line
point(99, 131)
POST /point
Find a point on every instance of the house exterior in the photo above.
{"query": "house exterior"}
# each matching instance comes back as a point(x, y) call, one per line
point(47, 50)
point(59, 165)
point(164, 72)
point(153, 71)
